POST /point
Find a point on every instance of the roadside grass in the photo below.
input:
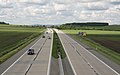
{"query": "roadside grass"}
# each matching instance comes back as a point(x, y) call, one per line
point(54, 48)
point(14, 38)
point(112, 55)
point(15, 50)
point(57, 45)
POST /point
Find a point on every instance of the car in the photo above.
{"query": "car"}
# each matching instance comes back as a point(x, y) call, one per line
point(30, 52)
point(46, 32)
point(49, 37)
point(43, 36)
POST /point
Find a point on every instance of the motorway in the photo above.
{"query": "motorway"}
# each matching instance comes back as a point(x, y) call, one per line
point(37, 64)
point(81, 60)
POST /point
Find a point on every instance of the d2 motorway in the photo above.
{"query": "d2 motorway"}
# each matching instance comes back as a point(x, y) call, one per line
point(81, 60)
point(37, 64)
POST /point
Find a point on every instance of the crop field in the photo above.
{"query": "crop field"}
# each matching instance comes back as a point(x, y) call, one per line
point(110, 41)
point(20, 28)
point(14, 38)
point(105, 42)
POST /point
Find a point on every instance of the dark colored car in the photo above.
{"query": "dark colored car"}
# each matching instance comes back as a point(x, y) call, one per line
point(49, 37)
point(46, 32)
point(30, 52)
point(43, 36)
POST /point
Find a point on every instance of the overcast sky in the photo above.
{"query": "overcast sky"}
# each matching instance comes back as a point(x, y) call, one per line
point(59, 11)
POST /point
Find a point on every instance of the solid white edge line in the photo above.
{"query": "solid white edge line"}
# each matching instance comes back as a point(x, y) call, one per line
point(60, 65)
point(94, 56)
point(18, 59)
point(68, 56)
point(49, 63)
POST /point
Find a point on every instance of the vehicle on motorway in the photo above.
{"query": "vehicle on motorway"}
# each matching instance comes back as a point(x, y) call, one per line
point(30, 52)
point(49, 37)
point(43, 36)
point(46, 32)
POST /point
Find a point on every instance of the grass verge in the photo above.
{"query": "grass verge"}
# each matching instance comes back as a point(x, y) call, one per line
point(114, 35)
point(14, 38)
point(112, 55)
point(18, 47)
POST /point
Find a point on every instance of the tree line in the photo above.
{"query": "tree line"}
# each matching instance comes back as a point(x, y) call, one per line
point(88, 24)
point(4, 23)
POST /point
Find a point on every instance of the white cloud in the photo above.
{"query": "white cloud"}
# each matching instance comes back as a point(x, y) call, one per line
point(59, 11)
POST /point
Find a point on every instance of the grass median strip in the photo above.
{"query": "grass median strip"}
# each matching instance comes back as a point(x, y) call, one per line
point(57, 47)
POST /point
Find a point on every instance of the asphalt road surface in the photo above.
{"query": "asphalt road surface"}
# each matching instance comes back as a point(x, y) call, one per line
point(81, 60)
point(37, 64)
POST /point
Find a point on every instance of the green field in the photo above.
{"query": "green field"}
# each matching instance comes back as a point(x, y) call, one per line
point(106, 43)
point(92, 32)
point(14, 38)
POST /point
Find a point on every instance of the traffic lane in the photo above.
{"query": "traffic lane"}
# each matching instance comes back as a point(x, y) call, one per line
point(101, 68)
point(79, 65)
point(15, 57)
point(40, 65)
point(97, 65)
point(21, 66)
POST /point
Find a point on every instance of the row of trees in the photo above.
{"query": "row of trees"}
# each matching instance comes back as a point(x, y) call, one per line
point(88, 24)
point(4, 23)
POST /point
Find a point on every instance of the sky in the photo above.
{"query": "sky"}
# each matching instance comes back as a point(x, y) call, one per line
point(59, 11)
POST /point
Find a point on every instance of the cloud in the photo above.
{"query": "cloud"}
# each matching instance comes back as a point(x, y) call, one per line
point(59, 11)
point(59, 7)
point(97, 6)
point(115, 2)
point(6, 5)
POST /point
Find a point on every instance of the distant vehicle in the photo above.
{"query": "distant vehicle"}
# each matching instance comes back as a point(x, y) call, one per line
point(49, 37)
point(43, 36)
point(30, 52)
point(46, 32)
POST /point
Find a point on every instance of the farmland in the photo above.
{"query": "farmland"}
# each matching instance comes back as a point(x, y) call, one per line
point(106, 43)
point(14, 38)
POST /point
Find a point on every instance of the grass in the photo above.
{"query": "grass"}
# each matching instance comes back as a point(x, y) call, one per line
point(20, 28)
point(14, 38)
point(57, 46)
point(112, 55)
point(54, 50)
point(93, 32)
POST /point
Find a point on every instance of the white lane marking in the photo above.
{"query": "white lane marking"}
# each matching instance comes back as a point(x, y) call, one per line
point(94, 56)
point(18, 59)
point(48, 71)
point(60, 65)
point(67, 56)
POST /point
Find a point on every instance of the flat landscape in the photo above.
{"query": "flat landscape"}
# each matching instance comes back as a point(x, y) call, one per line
point(14, 38)
point(104, 42)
